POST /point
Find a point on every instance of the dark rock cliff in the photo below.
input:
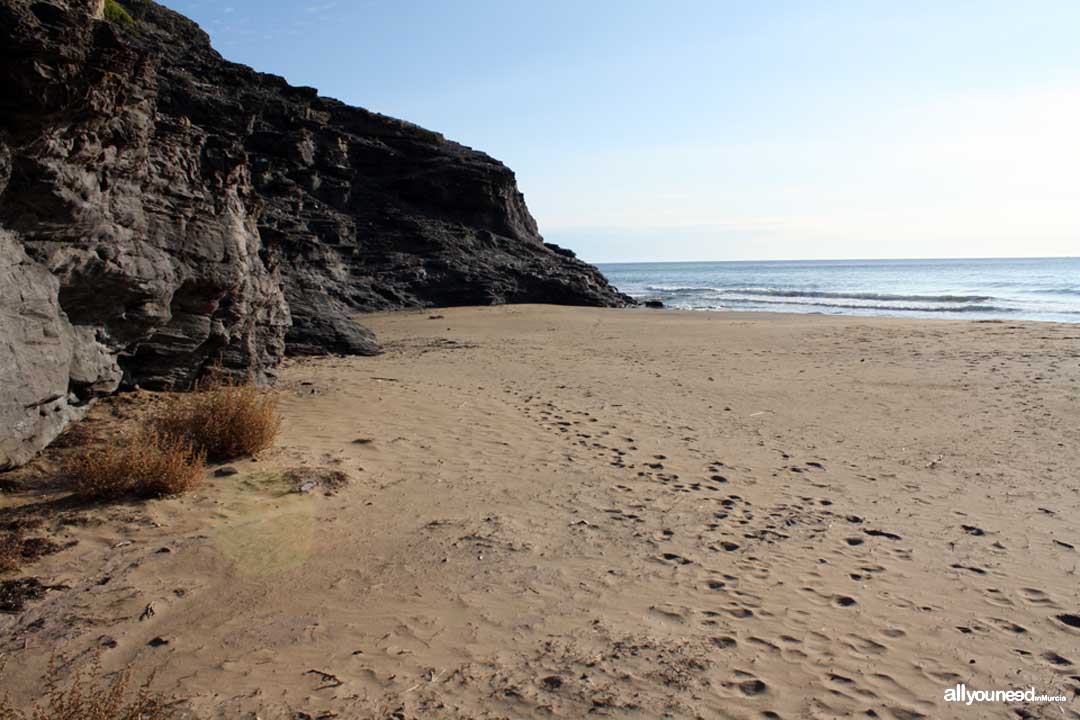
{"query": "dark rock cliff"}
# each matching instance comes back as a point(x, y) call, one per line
point(163, 210)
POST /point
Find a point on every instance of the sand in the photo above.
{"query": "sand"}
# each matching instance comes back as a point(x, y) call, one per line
point(566, 512)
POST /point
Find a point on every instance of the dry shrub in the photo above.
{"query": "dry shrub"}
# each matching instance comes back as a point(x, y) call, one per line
point(223, 418)
point(146, 462)
point(306, 480)
point(16, 550)
point(11, 544)
point(16, 592)
point(93, 698)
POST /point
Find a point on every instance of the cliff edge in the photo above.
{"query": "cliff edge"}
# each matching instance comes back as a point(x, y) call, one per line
point(163, 210)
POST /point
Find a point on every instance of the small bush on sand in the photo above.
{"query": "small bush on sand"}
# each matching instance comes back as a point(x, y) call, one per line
point(223, 419)
point(146, 462)
point(93, 698)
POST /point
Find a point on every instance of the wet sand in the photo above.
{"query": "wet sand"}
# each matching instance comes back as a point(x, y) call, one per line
point(567, 512)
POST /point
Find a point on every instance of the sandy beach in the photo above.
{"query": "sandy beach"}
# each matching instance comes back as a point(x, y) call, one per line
point(568, 512)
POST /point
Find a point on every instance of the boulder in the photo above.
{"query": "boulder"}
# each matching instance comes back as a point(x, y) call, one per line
point(36, 342)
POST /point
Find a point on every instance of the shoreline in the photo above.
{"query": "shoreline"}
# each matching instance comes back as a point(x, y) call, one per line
point(739, 315)
point(557, 510)
point(904, 318)
point(1007, 289)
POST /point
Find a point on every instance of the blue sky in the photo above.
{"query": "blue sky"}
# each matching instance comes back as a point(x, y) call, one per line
point(686, 130)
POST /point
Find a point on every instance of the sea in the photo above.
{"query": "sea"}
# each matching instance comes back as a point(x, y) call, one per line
point(1009, 289)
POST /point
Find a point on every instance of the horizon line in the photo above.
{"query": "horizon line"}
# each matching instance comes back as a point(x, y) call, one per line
point(835, 259)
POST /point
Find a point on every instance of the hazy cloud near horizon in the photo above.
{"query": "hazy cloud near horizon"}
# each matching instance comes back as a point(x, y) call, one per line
point(643, 130)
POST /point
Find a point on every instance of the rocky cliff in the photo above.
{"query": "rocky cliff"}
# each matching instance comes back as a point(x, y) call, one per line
point(163, 210)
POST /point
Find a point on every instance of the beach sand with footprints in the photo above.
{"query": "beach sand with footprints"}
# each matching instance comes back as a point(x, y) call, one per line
point(562, 512)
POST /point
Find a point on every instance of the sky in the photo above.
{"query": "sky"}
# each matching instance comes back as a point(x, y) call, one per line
point(645, 130)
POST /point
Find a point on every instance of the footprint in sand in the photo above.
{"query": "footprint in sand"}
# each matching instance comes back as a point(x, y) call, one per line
point(865, 646)
point(882, 533)
point(763, 644)
point(969, 568)
point(1069, 620)
point(753, 687)
point(1033, 596)
point(1008, 626)
point(1054, 659)
point(840, 679)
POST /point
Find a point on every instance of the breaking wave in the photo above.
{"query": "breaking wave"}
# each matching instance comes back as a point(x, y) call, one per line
point(870, 306)
point(775, 292)
point(1018, 289)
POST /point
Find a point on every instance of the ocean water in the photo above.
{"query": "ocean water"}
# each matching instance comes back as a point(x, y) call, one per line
point(1016, 289)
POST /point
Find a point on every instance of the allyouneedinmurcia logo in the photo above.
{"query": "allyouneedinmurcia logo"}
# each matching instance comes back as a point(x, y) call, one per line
point(961, 694)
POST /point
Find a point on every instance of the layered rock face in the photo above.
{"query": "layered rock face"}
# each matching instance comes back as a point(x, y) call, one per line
point(35, 355)
point(163, 210)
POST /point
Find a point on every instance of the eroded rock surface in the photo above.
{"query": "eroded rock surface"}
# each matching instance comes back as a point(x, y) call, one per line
point(36, 343)
point(165, 210)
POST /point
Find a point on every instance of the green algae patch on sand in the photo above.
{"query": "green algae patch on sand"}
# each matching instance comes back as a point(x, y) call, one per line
point(263, 525)
point(269, 545)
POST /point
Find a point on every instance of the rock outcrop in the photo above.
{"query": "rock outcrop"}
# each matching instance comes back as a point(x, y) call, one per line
point(35, 355)
point(163, 210)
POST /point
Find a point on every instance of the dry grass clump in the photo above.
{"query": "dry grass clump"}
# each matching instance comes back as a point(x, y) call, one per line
point(166, 453)
point(223, 419)
point(11, 544)
point(17, 550)
point(90, 698)
point(146, 462)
